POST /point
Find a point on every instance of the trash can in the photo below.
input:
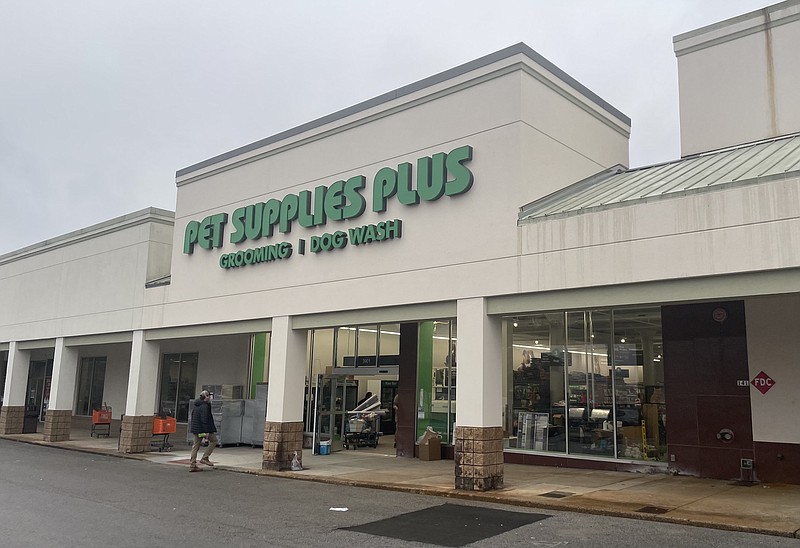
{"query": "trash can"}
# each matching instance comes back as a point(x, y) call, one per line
point(325, 447)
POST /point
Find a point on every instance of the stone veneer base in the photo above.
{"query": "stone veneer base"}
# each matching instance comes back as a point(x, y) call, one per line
point(12, 418)
point(57, 425)
point(136, 434)
point(479, 458)
point(281, 441)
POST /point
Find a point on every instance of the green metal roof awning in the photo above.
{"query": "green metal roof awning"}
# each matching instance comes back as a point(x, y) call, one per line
point(746, 164)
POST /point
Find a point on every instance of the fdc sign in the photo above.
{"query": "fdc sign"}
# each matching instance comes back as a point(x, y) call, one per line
point(762, 382)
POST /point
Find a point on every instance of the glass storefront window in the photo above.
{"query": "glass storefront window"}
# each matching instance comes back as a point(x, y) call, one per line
point(91, 378)
point(536, 399)
point(367, 348)
point(178, 380)
point(345, 346)
point(639, 391)
point(436, 377)
point(586, 382)
point(389, 344)
point(590, 403)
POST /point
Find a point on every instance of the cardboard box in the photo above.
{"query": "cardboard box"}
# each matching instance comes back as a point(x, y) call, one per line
point(430, 449)
point(632, 435)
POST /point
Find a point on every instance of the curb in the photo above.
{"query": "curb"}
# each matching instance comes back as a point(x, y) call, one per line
point(565, 506)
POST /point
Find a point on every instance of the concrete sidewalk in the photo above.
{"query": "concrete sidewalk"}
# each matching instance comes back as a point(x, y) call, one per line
point(761, 508)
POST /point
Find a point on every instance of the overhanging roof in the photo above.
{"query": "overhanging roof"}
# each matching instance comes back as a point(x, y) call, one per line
point(741, 165)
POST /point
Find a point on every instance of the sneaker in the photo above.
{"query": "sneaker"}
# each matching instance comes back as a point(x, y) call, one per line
point(206, 462)
point(194, 468)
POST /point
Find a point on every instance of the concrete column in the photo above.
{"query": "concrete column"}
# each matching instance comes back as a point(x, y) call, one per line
point(12, 413)
point(283, 431)
point(479, 430)
point(58, 420)
point(140, 404)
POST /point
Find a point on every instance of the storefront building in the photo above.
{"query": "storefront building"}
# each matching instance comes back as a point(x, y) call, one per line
point(472, 248)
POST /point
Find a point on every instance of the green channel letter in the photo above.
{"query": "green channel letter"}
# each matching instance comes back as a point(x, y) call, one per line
point(462, 176)
point(334, 201)
point(431, 176)
point(190, 236)
point(384, 186)
point(290, 205)
point(237, 220)
point(405, 185)
point(356, 203)
point(305, 215)
point(272, 211)
point(211, 231)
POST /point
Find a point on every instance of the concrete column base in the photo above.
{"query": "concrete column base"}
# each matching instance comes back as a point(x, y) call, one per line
point(136, 434)
point(12, 417)
point(57, 425)
point(479, 458)
point(281, 441)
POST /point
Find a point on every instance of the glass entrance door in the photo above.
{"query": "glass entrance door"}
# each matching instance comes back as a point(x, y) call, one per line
point(332, 397)
point(37, 398)
point(178, 380)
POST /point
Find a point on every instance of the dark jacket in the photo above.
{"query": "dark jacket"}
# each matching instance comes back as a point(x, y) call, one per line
point(202, 421)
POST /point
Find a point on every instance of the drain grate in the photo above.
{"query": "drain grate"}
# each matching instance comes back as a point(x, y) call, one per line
point(557, 494)
point(653, 510)
point(448, 525)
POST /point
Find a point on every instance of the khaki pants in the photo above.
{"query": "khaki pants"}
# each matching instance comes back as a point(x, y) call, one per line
point(212, 443)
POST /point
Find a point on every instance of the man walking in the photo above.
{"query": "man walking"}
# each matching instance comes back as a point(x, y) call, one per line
point(202, 427)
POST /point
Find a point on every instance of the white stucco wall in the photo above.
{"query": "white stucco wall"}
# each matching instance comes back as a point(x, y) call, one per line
point(745, 229)
point(738, 79)
point(452, 248)
point(774, 348)
point(90, 281)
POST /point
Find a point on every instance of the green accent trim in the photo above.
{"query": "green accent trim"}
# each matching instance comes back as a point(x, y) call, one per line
point(424, 375)
point(259, 359)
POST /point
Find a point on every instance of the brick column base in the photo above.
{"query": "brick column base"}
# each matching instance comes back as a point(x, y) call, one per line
point(479, 458)
point(136, 434)
point(12, 418)
point(281, 441)
point(57, 424)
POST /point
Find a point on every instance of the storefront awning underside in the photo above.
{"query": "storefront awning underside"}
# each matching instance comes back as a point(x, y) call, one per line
point(736, 166)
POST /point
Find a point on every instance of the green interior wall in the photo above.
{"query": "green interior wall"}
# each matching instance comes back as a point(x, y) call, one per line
point(425, 377)
point(258, 363)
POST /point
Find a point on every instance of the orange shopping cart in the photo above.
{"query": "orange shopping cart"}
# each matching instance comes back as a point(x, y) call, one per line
point(163, 426)
point(101, 421)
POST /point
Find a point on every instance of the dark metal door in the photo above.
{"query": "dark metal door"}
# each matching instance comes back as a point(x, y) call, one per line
point(709, 427)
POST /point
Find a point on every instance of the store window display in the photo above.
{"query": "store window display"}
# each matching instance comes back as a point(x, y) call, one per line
point(587, 383)
point(437, 369)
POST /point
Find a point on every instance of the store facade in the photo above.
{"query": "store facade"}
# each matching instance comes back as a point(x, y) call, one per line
point(434, 241)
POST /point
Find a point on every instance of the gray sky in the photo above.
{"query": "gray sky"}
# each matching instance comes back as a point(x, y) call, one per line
point(101, 102)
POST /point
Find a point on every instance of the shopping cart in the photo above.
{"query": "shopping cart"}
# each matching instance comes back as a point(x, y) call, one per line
point(163, 426)
point(101, 422)
point(362, 428)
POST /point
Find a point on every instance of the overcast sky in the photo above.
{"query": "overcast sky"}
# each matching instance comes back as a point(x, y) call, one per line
point(101, 102)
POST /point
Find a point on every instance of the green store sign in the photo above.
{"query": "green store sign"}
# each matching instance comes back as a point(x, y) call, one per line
point(435, 176)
